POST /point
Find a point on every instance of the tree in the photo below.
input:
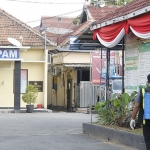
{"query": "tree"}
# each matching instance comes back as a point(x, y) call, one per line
point(111, 2)
point(76, 20)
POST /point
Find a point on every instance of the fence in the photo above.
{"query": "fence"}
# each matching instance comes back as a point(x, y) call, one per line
point(85, 94)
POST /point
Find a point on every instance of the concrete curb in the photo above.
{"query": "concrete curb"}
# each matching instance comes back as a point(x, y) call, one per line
point(113, 135)
point(24, 110)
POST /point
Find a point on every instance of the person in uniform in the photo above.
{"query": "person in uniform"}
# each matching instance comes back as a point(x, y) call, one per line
point(141, 109)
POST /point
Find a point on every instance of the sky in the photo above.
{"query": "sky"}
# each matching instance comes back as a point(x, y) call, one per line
point(30, 11)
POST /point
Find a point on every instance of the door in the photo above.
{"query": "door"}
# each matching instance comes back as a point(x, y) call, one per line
point(77, 95)
point(69, 89)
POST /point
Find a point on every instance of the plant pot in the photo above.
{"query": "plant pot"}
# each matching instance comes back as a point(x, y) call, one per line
point(29, 108)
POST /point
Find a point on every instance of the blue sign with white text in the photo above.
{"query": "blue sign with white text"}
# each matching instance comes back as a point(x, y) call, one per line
point(9, 53)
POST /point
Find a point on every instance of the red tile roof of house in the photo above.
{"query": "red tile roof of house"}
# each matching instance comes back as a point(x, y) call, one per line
point(14, 28)
point(129, 8)
point(98, 12)
point(77, 32)
point(52, 22)
point(49, 21)
point(94, 13)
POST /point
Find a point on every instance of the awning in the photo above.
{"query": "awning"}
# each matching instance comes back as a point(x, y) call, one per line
point(111, 35)
point(76, 65)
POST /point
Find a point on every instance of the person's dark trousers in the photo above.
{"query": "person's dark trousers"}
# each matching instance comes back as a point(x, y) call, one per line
point(146, 134)
point(98, 99)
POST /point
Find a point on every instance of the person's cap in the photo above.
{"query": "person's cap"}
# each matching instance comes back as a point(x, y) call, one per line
point(148, 77)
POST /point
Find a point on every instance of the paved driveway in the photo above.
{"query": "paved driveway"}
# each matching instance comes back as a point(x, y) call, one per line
point(48, 131)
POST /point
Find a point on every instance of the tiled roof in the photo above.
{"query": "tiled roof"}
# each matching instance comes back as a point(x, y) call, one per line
point(48, 21)
point(37, 28)
point(129, 8)
point(98, 12)
point(77, 32)
point(51, 36)
point(14, 28)
point(94, 13)
point(52, 22)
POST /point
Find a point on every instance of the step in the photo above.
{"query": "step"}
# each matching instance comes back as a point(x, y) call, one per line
point(82, 110)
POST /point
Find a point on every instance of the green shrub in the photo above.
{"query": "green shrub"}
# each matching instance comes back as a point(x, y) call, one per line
point(30, 96)
point(114, 111)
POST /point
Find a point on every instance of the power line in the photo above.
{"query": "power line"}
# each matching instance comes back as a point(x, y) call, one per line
point(41, 2)
point(51, 18)
point(44, 18)
point(57, 15)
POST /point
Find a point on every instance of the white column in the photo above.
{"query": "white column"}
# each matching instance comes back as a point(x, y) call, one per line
point(45, 79)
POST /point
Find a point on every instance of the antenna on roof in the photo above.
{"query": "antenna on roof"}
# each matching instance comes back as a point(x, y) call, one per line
point(21, 38)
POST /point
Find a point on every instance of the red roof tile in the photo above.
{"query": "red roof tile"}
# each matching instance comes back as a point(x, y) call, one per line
point(97, 12)
point(67, 23)
point(52, 22)
point(77, 32)
point(14, 28)
point(94, 14)
point(129, 8)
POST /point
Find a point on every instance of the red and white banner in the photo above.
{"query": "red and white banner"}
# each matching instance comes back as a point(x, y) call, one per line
point(111, 35)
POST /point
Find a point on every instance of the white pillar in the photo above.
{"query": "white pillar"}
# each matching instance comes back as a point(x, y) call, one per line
point(45, 79)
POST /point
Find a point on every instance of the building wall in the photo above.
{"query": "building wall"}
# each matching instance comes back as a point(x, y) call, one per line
point(32, 55)
point(57, 58)
point(59, 97)
point(34, 61)
point(76, 58)
point(35, 73)
point(71, 57)
point(6, 85)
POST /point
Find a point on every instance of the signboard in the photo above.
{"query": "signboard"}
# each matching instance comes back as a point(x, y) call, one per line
point(9, 53)
point(136, 62)
point(144, 63)
point(131, 62)
point(37, 84)
point(99, 66)
point(24, 80)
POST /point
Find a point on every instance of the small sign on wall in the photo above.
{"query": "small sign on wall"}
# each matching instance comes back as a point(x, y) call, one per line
point(37, 84)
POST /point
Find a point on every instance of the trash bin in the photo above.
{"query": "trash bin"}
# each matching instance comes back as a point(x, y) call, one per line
point(39, 105)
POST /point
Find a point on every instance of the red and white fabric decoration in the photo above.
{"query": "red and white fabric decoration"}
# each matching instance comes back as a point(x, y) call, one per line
point(140, 26)
point(141, 35)
point(113, 42)
point(110, 35)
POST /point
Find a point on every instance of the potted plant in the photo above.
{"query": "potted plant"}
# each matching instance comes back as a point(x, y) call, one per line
point(30, 97)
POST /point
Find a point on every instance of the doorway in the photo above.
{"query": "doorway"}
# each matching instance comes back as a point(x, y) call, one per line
point(69, 89)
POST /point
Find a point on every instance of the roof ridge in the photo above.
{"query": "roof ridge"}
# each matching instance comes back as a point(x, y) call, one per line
point(129, 8)
point(58, 16)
